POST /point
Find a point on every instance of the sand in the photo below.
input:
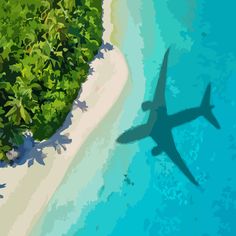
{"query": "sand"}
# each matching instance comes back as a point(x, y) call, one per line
point(28, 189)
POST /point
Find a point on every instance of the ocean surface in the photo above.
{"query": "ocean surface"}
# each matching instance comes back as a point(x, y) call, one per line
point(129, 191)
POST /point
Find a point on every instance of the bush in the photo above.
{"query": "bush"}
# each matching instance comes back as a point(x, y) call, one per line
point(45, 48)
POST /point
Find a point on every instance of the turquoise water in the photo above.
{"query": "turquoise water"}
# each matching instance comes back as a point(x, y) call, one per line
point(158, 199)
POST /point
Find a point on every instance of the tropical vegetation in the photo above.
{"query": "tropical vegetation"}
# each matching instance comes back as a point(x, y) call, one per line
point(45, 50)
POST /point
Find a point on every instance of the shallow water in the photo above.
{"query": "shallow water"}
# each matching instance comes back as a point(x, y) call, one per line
point(155, 198)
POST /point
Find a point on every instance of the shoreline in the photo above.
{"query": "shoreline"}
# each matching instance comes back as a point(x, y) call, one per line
point(29, 190)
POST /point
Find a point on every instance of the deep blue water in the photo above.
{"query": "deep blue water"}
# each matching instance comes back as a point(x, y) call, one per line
point(160, 201)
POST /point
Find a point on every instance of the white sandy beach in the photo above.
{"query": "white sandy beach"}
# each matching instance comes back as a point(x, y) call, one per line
point(28, 190)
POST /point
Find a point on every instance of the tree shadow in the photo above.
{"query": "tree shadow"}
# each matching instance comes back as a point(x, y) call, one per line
point(80, 104)
point(105, 47)
point(32, 151)
point(2, 186)
point(100, 55)
point(91, 71)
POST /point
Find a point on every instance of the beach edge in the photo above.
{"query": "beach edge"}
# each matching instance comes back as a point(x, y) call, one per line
point(29, 190)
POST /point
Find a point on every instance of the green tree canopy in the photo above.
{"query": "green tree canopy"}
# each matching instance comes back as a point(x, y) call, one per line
point(45, 50)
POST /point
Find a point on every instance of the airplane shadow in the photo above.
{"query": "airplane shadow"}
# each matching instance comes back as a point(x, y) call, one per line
point(160, 124)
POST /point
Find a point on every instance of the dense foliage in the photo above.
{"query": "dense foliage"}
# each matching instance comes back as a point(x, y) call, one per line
point(45, 48)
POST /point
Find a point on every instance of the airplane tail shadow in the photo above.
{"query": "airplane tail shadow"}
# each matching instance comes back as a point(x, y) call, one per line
point(207, 108)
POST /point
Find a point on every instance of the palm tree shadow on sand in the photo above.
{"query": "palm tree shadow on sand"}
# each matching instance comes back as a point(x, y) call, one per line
point(2, 186)
point(32, 151)
point(105, 47)
point(36, 153)
point(82, 105)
